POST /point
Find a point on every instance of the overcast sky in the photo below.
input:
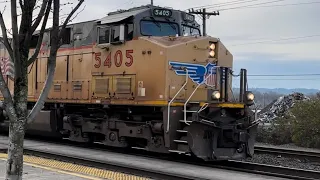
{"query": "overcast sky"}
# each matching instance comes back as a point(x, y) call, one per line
point(239, 27)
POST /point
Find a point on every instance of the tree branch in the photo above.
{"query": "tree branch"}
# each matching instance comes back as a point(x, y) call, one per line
point(15, 36)
point(21, 5)
point(55, 39)
point(40, 15)
point(68, 18)
point(44, 24)
point(8, 103)
point(5, 37)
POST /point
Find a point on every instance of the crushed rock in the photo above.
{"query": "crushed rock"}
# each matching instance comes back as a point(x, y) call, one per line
point(280, 107)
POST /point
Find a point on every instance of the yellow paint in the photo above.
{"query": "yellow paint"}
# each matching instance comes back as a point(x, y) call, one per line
point(225, 105)
point(148, 103)
point(74, 169)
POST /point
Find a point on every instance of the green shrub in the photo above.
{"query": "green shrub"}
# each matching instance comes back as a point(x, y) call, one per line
point(301, 126)
point(306, 124)
point(280, 132)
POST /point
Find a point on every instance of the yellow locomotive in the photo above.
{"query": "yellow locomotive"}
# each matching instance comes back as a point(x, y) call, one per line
point(142, 78)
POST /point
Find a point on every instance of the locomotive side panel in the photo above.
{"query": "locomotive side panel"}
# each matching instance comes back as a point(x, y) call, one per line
point(129, 72)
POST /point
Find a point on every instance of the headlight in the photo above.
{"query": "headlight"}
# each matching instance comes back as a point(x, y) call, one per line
point(211, 53)
point(215, 95)
point(212, 49)
point(250, 96)
point(212, 46)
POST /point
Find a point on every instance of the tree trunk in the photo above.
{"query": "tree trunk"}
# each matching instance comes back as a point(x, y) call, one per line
point(15, 151)
point(17, 126)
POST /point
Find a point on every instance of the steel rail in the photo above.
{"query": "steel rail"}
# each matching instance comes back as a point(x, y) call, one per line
point(292, 153)
point(241, 166)
point(271, 170)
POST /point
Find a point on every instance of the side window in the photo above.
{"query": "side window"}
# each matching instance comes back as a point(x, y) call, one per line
point(115, 34)
point(186, 31)
point(129, 32)
point(34, 41)
point(66, 38)
point(104, 35)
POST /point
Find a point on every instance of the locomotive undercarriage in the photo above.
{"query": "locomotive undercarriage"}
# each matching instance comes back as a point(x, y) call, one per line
point(213, 134)
point(116, 126)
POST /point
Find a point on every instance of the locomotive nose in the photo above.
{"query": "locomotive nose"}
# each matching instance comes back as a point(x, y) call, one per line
point(210, 142)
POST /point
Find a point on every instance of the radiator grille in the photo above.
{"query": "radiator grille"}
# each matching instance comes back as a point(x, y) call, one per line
point(102, 86)
point(123, 85)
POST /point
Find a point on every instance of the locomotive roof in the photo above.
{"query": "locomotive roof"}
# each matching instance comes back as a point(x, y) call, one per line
point(121, 14)
point(116, 16)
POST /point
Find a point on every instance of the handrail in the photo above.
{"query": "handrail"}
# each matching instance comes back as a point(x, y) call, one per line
point(171, 101)
point(185, 104)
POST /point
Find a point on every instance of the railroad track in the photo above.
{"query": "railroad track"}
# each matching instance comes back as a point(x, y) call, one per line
point(240, 166)
point(292, 153)
point(154, 175)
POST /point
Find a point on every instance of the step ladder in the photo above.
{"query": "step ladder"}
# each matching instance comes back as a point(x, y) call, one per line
point(182, 142)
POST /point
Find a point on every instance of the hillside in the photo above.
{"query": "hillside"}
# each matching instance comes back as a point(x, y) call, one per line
point(282, 90)
point(264, 96)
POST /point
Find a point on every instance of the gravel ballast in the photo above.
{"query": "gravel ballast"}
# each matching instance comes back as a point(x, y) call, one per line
point(290, 162)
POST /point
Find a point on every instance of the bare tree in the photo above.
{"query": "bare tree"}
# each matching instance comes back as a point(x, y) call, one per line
point(19, 48)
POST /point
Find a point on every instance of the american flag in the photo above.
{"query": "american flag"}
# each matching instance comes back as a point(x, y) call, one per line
point(211, 77)
point(7, 67)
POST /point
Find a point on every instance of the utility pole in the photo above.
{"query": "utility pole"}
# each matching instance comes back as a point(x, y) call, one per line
point(152, 2)
point(204, 15)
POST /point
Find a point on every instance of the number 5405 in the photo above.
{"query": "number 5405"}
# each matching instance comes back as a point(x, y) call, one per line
point(118, 59)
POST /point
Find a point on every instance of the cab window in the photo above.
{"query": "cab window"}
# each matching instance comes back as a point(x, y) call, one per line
point(158, 28)
point(190, 31)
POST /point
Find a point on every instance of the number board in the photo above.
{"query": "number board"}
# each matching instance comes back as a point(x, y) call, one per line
point(188, 17)
point(162, 12)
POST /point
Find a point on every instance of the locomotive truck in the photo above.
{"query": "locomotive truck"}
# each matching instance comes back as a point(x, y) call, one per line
point(142, 78)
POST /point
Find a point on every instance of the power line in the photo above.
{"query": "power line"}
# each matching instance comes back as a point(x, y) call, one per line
point(276, 5)
point(224, 4)
point(275, 40)
point(210, 6)
point(251, 5)
point(309, 79)
point(268, 75)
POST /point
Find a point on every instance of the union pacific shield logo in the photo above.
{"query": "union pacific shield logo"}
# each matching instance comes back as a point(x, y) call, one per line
point(198, 73)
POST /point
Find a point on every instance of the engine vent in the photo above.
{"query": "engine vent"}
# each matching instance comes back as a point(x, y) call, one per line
point(57, 87)
point(123, 86)
point(102, 86)
point(77, 87)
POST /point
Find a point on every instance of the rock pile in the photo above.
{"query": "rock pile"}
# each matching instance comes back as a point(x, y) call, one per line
point(280, 107)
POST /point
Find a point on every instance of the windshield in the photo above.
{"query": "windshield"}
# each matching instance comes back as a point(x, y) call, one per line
point(190, 31)
point(156, 28)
